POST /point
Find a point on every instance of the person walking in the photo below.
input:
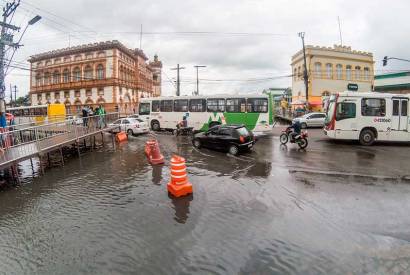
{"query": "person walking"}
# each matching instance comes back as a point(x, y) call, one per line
point(85, 115)
point(91, 117)
point(101, 117)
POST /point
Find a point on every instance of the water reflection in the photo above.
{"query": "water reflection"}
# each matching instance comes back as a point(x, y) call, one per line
point(157, 174)
point(181, 207)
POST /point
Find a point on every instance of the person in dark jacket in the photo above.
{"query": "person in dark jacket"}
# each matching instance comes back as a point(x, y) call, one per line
point(296, 127)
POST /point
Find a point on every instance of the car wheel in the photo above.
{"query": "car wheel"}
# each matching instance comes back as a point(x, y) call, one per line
point(130, 132)
point(155, 126)
point(367, 137)
point(303, 125)
point(197, 143)
point(233, 150)
point(284, 138)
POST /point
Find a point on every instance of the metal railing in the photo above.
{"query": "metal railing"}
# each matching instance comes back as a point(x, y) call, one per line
point(56, 133)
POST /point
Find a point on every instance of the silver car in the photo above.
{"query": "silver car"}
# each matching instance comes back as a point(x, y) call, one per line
point(311, 120)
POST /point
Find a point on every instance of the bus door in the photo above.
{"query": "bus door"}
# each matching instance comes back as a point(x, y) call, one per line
point(400, 119)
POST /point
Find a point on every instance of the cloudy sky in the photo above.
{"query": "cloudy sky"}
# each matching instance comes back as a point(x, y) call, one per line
point(245, 44)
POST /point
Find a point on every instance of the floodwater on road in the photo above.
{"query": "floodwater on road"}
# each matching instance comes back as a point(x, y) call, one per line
point(335, 208)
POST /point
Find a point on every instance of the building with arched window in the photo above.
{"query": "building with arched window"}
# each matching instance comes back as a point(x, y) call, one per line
point(330, 70)
point(95, 74)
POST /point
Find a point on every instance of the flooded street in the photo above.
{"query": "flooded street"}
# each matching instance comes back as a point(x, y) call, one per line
point(334, 208)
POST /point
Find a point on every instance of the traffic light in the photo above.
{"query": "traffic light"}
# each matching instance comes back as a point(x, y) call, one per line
point(385, 61)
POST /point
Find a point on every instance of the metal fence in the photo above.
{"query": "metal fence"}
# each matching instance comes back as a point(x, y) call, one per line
point(55, 133)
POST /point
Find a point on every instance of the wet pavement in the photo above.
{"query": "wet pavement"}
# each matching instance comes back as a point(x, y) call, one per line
point(335, 207)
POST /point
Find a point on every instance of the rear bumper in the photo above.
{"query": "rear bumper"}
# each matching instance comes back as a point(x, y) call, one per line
point(246, 146)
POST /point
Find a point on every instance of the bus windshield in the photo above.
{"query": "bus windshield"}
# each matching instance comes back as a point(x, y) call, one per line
point(330, 111)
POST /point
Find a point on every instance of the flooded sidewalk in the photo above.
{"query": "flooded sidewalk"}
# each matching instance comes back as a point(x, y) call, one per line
point(333, 208)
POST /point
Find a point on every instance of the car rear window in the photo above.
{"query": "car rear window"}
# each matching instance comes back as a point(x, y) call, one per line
point(243, 131)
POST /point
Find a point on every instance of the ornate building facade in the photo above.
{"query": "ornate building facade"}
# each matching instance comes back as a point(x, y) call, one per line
point(106, 73)
point(330, 70)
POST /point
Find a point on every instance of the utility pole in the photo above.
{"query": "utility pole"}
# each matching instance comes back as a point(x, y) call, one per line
point(6, 39)
point(305, 73)
point(15, 95)
point(11, 95)
point(197, 78)
point(178, 68)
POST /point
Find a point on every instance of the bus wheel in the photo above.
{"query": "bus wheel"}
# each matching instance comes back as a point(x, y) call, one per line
point(155, 125)
point(366, 137)
point(213, 123)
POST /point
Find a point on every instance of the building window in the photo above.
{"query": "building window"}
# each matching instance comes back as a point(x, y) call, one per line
point(67, 59)
point(77, 74)
point(88, 93)
point(348, 72)
point(100, 71)
point(46, 78)
point(57, 95)
point(38, 79)
point(77, 94)
point(56, 77)
point(88, 73)
point(101, 92)
point(48, 62)
point(77, 58)
point(66, 76)
point(329, 70)
point(66, 94)
point(366, 73)
point(339, 70)
point(318, 69)
point(48, 96)
point(373, 107)
point(295, 74)
point(57, 60)
point(39, 97)
point(357, 73)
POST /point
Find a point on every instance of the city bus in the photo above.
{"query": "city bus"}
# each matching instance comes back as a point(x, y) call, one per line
point(204, 112)
point(37, 114)
point(368, 117)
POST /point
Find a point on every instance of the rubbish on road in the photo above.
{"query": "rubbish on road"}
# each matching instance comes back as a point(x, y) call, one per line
point(179, 185)
point(121, 136)
point(153, 152)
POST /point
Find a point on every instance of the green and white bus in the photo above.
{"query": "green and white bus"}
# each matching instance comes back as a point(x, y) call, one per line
point(203, 112)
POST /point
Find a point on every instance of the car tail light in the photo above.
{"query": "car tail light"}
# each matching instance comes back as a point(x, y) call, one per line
point(241, 139)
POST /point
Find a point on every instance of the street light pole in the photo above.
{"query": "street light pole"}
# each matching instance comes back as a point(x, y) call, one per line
point(395, 58)
point(197, 77)
point(305, 73)
point(178, 68)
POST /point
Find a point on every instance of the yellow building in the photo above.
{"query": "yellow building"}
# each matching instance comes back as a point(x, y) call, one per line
point(330, 70)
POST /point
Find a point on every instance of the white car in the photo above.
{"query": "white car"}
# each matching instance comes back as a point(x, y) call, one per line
point(131, 126)
point(311, 120)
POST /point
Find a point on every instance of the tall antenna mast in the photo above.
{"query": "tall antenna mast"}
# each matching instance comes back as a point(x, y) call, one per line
point(340, 32)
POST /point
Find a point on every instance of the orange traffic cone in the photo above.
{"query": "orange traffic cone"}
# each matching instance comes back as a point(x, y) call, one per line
point(148, 147)
point(121, 136)
point(155, 156)
point(179, 185)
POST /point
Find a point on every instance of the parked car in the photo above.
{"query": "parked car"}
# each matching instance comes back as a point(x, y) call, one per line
point(311, 120)
point(132, 126)
point(232, 138)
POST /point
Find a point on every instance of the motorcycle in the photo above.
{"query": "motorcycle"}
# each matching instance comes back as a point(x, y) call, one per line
point(300, 140)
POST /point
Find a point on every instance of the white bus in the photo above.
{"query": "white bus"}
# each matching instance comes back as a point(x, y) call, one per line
point(203, 112)
point(368, 117)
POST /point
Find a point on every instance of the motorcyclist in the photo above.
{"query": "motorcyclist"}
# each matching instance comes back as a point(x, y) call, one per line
point(296, 127)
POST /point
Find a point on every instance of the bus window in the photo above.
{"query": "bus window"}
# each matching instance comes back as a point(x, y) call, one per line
point(216, 105)
point(156, 105)
point(197, 105)
point(257, 105)
point(236, 105)
point(166, 105)
point(144, 109)
point(345, 110)
point(181, 105)
point(373, 107)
